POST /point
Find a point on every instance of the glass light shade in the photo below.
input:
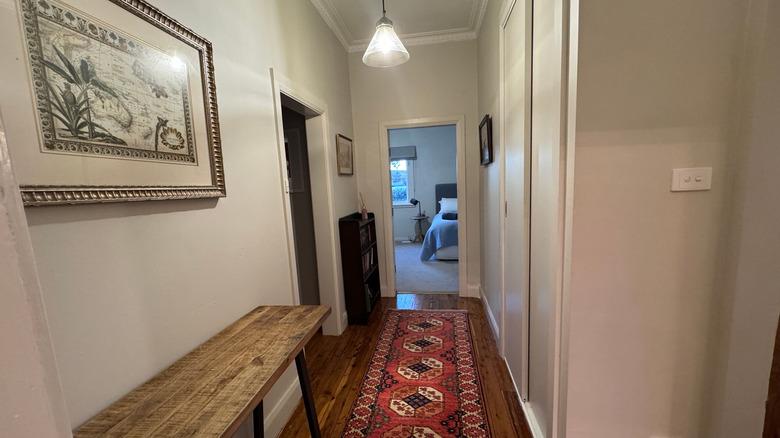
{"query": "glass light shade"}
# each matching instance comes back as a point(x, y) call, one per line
point(385, 48)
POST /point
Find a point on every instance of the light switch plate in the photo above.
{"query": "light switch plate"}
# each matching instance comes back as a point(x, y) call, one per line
point(691, 179)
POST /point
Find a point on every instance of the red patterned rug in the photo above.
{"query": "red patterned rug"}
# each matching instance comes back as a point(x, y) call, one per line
point(422, 381)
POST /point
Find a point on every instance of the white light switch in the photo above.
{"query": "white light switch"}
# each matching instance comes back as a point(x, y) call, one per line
point(692, 178)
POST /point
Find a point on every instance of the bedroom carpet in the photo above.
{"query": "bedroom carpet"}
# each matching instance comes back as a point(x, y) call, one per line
point(412, 275)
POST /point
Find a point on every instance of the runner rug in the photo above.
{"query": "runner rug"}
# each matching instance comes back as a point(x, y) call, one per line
point(422, 381)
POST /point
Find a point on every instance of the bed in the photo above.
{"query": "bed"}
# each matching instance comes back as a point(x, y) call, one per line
point(441, 239)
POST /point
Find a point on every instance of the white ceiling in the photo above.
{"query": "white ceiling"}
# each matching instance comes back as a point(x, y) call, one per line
point(416, 21)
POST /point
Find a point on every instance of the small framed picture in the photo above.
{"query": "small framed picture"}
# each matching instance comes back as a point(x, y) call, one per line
point(486, 140)
point(344, 155)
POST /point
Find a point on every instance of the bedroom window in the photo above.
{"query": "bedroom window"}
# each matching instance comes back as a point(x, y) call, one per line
point(402, 181)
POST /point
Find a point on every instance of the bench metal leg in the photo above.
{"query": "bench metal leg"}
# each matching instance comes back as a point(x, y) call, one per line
point(257, 421)
point(308, 400)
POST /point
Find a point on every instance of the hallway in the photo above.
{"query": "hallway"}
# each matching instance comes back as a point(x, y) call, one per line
point(338, 363)
point(491, 218)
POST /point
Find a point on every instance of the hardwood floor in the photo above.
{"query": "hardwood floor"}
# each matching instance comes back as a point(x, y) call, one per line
point(337, 365)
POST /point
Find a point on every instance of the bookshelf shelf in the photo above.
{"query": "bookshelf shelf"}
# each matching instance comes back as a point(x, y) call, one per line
point(359, 266)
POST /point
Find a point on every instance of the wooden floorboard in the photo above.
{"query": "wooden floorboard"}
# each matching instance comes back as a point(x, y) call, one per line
point(337, 365)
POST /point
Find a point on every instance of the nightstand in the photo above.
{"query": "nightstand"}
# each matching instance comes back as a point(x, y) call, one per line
point(418, 228)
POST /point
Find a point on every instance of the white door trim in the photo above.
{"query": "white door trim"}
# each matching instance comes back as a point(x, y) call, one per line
point(321, 169)
point(387, 204)
point(571, 56)
point(32, 395)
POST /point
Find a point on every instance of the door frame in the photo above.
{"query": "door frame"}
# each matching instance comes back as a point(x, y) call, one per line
point(570, 47)
point(321, 167)
point(387, 203)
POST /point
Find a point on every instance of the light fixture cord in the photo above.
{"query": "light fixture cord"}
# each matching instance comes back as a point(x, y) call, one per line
point(384, 11)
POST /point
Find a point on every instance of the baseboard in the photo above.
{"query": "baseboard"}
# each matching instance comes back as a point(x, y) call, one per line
point(384, 291)
point(278, 417)
point(530, 417)
point(533, 424)
point(474, 290)
point(491, 317)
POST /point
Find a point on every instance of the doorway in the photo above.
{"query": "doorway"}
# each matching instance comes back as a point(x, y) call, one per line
point(418, 191)
point(300, 197)
point(424, 191)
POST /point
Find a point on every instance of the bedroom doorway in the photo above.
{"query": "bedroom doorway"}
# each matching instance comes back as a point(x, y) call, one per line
point(423, 184)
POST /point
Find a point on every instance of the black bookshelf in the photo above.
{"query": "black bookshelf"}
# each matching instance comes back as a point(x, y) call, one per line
point(359, 266)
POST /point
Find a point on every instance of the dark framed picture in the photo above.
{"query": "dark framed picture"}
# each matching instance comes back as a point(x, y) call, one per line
point(486, 140)
point(122, 106)
point(344, 155)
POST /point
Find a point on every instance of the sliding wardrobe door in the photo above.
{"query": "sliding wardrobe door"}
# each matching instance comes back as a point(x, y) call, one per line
point(516, 125)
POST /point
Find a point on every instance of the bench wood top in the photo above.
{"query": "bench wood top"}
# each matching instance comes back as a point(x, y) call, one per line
point(213, 389)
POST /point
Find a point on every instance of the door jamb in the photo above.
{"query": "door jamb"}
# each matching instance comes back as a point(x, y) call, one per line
point(387, 203)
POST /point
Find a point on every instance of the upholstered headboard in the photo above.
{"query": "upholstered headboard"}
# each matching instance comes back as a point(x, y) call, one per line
point(445, 191)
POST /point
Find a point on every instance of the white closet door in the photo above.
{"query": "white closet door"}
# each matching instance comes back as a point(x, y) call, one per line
point(517, 143)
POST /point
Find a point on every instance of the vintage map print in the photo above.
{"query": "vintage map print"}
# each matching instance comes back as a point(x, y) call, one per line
point(102, 93)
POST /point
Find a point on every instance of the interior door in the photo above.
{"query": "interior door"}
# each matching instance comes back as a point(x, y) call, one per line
point(517, 134)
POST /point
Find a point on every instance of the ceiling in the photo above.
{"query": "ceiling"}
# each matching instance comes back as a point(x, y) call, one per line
point(416, 21)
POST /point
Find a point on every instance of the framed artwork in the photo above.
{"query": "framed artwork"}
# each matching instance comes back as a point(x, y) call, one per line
point(486, 140)
point(123, 106)
point(344, 155)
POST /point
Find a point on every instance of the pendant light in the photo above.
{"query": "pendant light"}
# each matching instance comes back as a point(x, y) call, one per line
point(385, 48)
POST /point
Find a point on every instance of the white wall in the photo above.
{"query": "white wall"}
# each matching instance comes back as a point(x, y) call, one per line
point(439, 80)
point(751, 302)
point(656, 84)
point(131, 287)
point(435, 164)
point(490, 208)
point(673, 304)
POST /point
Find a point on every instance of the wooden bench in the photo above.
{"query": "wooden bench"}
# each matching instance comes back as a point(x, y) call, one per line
point(211, 391)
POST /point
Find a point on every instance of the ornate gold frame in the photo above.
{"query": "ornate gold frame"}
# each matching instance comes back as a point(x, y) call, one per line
point(39, 195)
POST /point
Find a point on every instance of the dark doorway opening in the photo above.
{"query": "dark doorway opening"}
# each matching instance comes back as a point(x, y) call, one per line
point(299, 191)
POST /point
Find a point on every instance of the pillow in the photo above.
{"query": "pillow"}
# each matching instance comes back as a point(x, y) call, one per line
point(449, 205)
point(449, 216)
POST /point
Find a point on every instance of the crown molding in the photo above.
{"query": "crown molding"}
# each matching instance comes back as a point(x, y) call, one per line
point(334, 21)
point(481, 8)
